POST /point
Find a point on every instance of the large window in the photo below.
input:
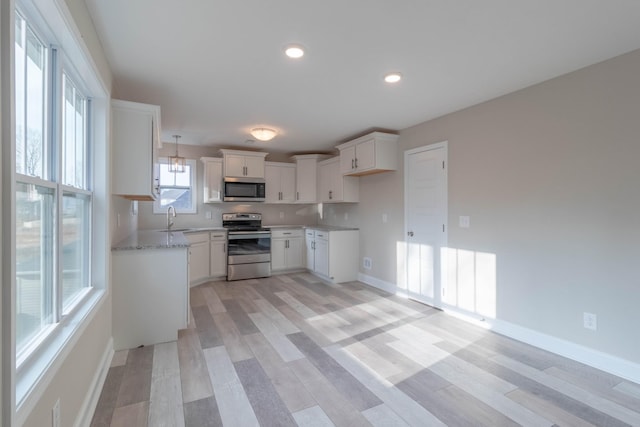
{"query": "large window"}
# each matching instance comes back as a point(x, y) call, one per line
point(177, 189)
point(53, 189)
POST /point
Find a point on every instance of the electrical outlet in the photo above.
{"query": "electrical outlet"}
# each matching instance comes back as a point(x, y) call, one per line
point(346, 216)
point(590, 321)
point(384, 218)
point(208, 214)
point(366, 263)
point(55, 414)
point(281, 215)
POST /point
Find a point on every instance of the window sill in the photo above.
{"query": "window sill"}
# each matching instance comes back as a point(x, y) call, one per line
point(36, 372)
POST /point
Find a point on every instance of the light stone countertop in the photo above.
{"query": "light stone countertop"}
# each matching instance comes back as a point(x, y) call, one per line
point(152, 239)
point(331, 228)
point(313, 227)
point(161, 239)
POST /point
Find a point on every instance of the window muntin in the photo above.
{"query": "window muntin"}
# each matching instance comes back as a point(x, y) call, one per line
point(53, 197)
point(177, 189)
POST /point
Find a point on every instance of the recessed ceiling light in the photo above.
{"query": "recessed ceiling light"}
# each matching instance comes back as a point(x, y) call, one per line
point(294, 51)
point(394, 77)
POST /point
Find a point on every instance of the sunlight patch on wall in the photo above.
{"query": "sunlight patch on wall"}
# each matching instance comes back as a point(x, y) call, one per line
point(469, 281)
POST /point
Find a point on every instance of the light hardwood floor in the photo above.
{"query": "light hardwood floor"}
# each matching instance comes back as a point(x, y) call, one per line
point(292, 350)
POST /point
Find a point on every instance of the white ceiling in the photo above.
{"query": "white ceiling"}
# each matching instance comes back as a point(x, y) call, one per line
point(217, 67)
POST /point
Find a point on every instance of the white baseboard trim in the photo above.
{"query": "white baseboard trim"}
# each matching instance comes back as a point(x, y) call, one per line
point(91, 401)
point(377, 283)
point(594, 358)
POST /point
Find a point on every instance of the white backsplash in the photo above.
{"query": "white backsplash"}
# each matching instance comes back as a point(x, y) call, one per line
point(271, 215)
point(339, 214)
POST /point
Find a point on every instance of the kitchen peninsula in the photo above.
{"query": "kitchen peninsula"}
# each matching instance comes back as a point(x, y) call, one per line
point(150, 288)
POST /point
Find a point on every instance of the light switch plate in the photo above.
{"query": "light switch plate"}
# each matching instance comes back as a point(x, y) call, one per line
point(465, 222)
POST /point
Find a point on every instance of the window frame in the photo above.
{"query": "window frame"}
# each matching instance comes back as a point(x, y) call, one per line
point(40, 358)
point(58, 66)
point(159, 209)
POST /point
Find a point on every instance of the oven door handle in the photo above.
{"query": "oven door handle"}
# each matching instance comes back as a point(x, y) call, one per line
point(238, 235)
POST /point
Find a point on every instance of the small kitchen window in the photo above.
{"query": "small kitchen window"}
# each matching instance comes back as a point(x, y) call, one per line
point(177, 189)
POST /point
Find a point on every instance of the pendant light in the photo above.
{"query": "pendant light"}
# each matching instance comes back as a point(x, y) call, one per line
point(177, 164)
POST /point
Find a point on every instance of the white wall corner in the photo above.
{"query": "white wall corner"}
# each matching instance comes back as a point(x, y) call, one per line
point(91, 401)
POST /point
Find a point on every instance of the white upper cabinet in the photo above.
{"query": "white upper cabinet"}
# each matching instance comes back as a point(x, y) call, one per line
point(333, 187)
point(243, 164)
point(280, 182)
point(212, 180)
point(372, 153)
point(307, 177)
point(136, 141)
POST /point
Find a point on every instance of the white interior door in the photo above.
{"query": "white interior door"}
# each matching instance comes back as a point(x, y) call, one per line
point(425, 221)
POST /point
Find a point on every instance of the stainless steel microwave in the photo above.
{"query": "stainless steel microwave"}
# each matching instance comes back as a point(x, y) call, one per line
point(244, 189)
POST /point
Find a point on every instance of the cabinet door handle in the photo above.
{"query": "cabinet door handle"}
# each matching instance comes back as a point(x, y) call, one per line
point(224, 248)
point(330, 194)
point(356, 163)
point(352, 163)
point(297, 195)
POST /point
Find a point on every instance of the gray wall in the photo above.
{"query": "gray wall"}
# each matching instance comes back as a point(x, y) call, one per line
point(549, 176)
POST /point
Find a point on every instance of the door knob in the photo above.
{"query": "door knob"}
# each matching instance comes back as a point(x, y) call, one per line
point(410, 233)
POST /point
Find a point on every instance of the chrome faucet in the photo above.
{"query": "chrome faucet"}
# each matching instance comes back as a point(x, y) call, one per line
point(169, 222)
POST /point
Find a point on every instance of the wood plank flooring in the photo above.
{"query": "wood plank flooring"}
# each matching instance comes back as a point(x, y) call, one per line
point(291, 350)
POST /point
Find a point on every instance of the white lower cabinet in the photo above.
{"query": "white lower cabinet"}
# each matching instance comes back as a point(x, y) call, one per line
point(208, 255)
point(332, 255)
point(199, 256)
point(218, 258)
point(287, 249)
point(150, 296)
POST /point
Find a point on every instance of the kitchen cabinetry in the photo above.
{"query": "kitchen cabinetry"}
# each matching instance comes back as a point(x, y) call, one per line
point(208, 255)
point(280, 182)
point(212, 179)
point(136, 141)
point(150, 296)
point(307, 177)
point(332, 255)
point(372, 153)
point(244, 164)
point(287, 251)
point(218, 251)
point(199, 256)
point(333, 186)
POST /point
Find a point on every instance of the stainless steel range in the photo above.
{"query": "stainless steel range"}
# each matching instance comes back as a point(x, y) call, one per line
point(248, 246)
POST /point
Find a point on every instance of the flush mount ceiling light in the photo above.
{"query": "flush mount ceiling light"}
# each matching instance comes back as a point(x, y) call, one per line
point(177, 164)
point(263, 134)
point(394, 77)
point(294, 51)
